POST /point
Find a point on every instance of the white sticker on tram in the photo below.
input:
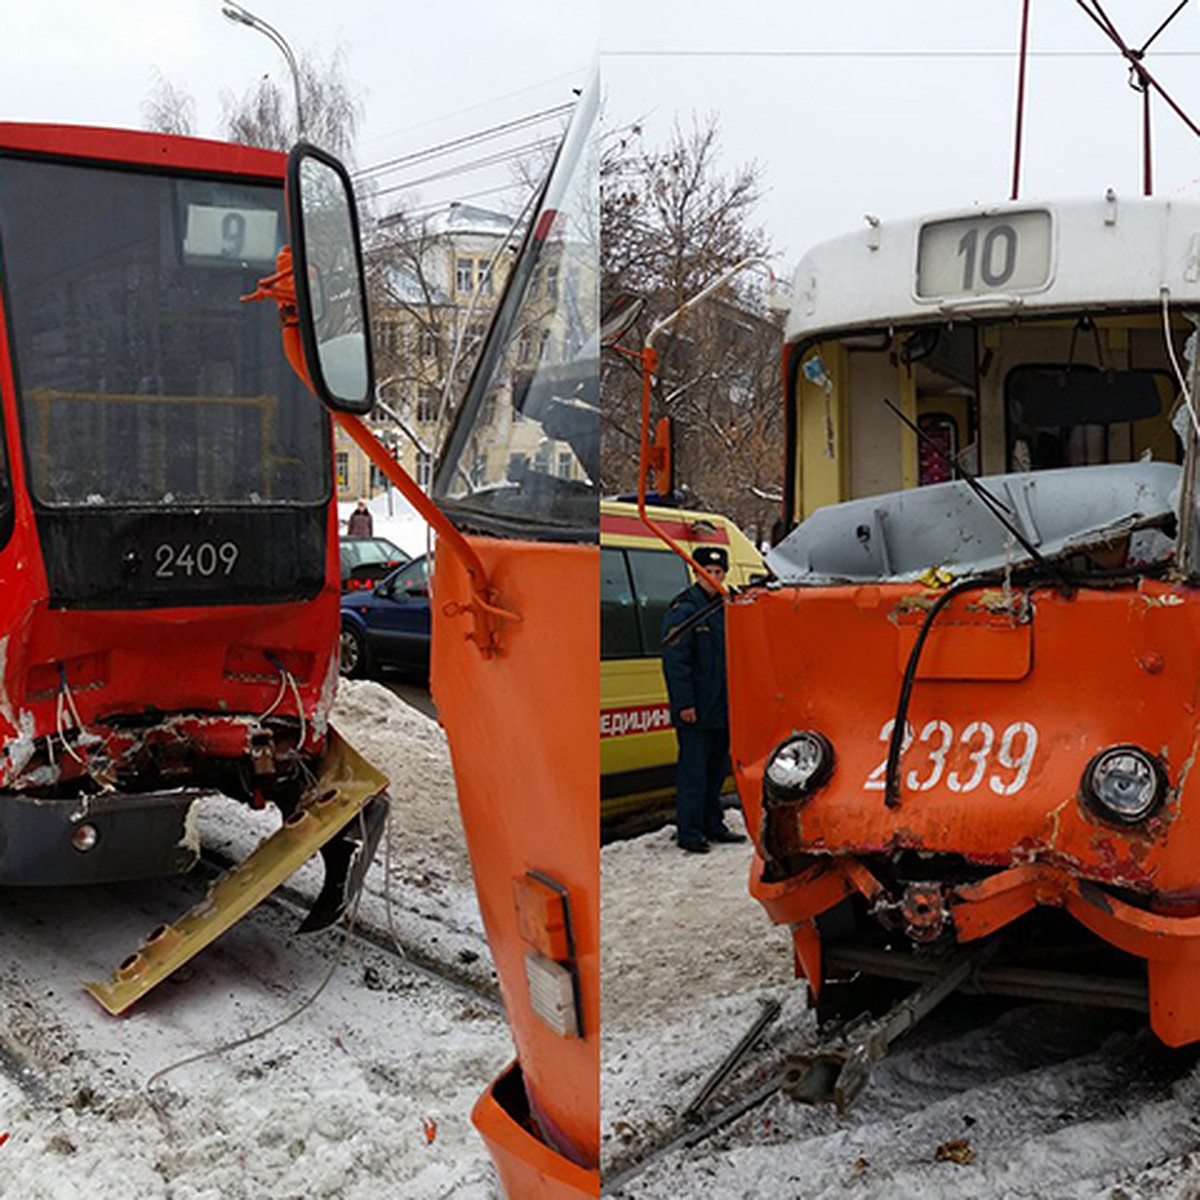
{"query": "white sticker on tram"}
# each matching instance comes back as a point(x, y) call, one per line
point(1006, 770)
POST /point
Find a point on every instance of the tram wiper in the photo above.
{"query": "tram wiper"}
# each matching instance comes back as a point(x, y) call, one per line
point(992, 503)
point(891, 787)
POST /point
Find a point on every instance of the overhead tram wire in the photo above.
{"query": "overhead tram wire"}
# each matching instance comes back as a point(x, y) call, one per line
point(466, 141)
point(951, 54)
point(512, 154)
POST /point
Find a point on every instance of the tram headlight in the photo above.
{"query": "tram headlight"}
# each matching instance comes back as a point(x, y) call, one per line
point(1125, 784)
point(798, 766)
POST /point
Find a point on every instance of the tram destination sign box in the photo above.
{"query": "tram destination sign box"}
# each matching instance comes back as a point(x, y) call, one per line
point(979, 256)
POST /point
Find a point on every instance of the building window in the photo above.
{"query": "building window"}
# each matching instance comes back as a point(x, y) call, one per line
point(389, 337)
point(463, 275)
point(525, 346)
point(551, 283)
point(428, 347)
point(427, 406)
point(424, 469)
point(485, 278)
point(342, 459)
point(541, 460)
point(544, 349)
point(566, 460)
point(379, 481)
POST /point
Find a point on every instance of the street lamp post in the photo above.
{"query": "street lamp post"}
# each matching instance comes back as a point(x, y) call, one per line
point(243, 16)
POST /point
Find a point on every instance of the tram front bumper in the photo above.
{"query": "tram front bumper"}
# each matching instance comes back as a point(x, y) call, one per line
point(101, 839)
point(1169, 945)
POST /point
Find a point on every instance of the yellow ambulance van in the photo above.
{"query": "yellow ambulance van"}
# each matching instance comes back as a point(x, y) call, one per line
point(639, 576)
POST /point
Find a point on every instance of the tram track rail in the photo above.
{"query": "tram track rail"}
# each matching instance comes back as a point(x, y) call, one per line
point(361, 933)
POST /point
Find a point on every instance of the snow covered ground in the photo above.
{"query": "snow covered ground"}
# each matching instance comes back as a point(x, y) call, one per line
point(367, 1092)
point(1039, 1101)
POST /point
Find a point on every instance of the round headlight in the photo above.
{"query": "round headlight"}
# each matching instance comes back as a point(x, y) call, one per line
point(1125, 784)
point(798, 766)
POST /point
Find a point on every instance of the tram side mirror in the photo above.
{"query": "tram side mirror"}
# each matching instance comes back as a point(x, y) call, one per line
point(618, 317)
point(327, 266)
point(662, 459)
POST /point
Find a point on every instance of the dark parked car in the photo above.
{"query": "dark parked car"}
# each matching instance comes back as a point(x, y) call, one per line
point(388, 626)
point(367, 560)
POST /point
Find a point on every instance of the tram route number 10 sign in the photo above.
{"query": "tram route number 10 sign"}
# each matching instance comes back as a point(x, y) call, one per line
point(977, 256)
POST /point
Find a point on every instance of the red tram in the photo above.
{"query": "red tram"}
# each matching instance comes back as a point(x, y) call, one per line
point(169, 576)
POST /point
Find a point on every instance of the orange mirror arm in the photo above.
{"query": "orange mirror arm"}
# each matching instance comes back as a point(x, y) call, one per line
point(652, 457)
point(281, 288)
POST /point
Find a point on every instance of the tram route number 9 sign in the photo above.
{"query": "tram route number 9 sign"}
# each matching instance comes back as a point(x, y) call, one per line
point(977, 256)
point(215, 234)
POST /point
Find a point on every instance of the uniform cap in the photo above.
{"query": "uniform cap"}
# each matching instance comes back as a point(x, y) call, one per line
point(711, 556)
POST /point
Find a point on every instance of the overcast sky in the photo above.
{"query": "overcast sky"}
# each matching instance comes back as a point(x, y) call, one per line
point(425, 73)
point(885, 106)
point(874, 106)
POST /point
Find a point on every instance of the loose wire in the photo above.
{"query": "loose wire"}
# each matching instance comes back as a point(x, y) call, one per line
point(1183, 386)
point(258, 1035)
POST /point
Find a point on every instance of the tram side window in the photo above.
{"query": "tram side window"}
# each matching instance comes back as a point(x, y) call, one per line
point(1073, 416)
point(636, 586)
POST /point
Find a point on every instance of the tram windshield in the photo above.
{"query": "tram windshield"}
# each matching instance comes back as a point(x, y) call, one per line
point(524, 453)
point(1075, 424)
point(142, 377)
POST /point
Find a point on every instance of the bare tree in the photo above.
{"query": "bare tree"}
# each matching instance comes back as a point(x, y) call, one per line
point(168, 108)
point(672, 222)
point(265, 113)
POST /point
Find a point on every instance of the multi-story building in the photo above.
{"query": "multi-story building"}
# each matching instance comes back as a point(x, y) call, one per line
point(435, 285)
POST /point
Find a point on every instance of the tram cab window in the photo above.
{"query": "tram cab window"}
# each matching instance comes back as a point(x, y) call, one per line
point(1074, 416)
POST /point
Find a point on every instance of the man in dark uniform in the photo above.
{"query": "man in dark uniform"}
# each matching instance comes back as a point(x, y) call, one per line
point(694, 666)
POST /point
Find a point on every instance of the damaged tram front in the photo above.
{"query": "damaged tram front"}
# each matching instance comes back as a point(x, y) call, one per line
point(169, 578)
point(965, 711)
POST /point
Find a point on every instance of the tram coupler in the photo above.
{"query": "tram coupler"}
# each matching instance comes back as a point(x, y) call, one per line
point(837, 1072)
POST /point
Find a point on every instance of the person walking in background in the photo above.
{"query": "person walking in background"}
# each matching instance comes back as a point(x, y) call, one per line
point(694, 665)
point(360, 523)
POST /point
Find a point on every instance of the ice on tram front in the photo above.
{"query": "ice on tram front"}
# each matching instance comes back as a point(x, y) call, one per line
point(965, 712)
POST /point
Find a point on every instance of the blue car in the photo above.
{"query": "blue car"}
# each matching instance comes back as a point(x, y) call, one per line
point(388, 626)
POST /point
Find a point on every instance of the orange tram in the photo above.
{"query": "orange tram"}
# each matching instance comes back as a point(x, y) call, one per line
point(964, 710)
point(515, 596)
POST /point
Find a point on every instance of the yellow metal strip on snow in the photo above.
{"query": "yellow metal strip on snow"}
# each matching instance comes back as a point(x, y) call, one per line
point(345, 783)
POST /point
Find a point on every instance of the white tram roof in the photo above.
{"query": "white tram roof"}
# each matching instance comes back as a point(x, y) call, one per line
point(1008, 259)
